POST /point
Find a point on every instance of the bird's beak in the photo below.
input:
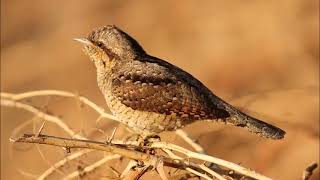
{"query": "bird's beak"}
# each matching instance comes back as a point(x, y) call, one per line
point(84, 41)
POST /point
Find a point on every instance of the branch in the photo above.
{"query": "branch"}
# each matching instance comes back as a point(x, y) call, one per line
point(128, 151)
point(138, 153)
point(37, 112)
point(18, 97)
point(91, 167)
point(221, 162)
point(187, 139)
point(13, 98)
point(118, 147)
point(61, 163)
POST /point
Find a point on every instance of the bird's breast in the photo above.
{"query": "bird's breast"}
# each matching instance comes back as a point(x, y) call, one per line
point(142, 122)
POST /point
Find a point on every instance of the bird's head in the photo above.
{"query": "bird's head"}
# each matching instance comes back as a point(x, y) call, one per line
point(110, 43)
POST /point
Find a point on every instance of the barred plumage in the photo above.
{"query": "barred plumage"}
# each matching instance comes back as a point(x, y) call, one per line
point(150, 95)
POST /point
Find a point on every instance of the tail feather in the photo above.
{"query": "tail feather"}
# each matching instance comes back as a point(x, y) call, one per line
point(256, 126)
point(240, 119)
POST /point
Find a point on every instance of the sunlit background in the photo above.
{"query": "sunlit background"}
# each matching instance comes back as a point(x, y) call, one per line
point(261, 56)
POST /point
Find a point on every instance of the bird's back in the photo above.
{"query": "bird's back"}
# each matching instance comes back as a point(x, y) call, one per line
point(152, 85)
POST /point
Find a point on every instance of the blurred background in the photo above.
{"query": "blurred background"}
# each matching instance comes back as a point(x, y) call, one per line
point(261, 56)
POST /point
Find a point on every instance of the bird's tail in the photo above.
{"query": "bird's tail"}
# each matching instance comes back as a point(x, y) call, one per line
point(256, 126)
point(253, 125)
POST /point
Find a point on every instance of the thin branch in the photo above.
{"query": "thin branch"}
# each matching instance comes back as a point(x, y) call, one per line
point(62, 162)
point(187, 139)
point(99, 110)
point(160, 170)
point(203, 167)
point(47, 117)
point(198, 173)
point(132, 152)
point(123, 150)
point(221, 162)
point(137, 173)
point(126, 150)
point(41, 128)
point(128, 168)
point(27, 174)
point(213, 173)
point(92, 166)
point(174, 156)
point(82, 99)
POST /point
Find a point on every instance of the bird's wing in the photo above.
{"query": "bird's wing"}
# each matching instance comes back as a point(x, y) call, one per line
point(155, 88)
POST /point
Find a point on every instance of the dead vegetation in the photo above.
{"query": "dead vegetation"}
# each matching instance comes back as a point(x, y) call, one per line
point(143, 156)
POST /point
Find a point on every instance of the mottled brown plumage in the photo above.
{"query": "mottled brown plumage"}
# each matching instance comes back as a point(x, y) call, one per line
point(150, 95)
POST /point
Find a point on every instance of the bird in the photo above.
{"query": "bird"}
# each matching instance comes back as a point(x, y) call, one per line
point(150, 95)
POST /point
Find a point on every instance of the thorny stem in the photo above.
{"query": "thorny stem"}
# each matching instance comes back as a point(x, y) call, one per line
point(11, 100)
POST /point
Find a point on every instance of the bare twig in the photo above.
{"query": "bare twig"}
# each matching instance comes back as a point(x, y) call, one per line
point(198, 173)
point(126, 151)
point(210, 171)
point(92, 166)
point(11, 101)
point(123, 150)
point(117, 147)
point(131, 152)
point(17, 97)
point(47, 117)
point(186, 138)
point(136, 174)
point(41, 128)
point(62, 162)
point(27, 174)
point(112, 135)
point(160, 170)
point(129, 167)
point(191, 154)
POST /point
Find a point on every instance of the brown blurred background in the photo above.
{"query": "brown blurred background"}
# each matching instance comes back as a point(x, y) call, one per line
point(262, 56)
